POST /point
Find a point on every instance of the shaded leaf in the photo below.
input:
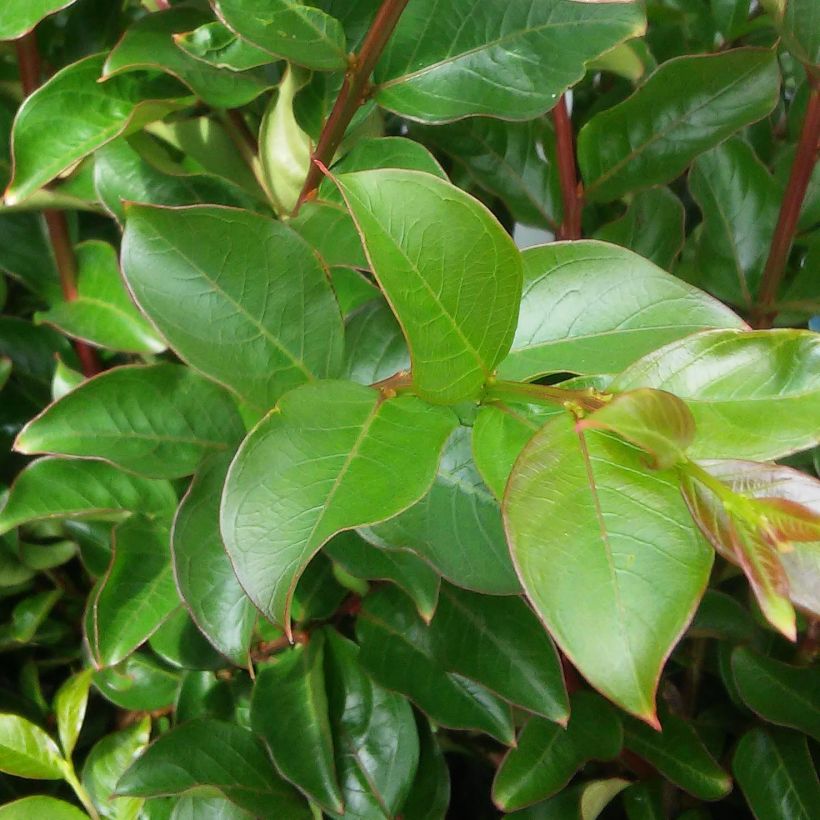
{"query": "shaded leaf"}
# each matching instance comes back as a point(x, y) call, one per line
point(374, 345)
point(139, 683)
point(429, 796)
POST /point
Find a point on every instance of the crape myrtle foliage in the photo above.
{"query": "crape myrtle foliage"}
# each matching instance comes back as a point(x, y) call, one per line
point(322, 497)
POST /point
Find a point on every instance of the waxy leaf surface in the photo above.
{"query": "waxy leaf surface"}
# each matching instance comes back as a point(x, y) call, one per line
point(27, 751)
point(21, 16)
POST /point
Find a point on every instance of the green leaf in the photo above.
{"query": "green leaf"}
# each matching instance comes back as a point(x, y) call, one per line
point(102, 313)
point(429, 796)
point(437, 73)
point(203, 694)
point(27, 617)
point(106, 763)
point(317, 596)
point(139, 683)
point(25, 254)
point(328, 228)
point(63, 488)
point(591, 307)
point(778, 692)
point(40, 806)
point(200, 804)
point(630, 534)
point(547, 755)
point(583, 801)
point(27, 751)
point(277, 322)
point(362, 560)
point(122, 174)
point(206, 581)
point(499, 643)
point(217, 45)
point(688, 105)
point(775, 771)
point(337, 456)
point(449, 270)
point(21, 16)
point(798, 23)
point(136, 594)
point(179, 643)
point(740, 202)
point(397, 650)
point(70, 704)
point(679, 755)
point(159, 421)
point(652, 226)
point(654, 420)
point(374, 345)
point(205, 752)
point(289, 710)
point(456, 527)
point(377, 747)
point(753, 394)
point(90, 114)
point(288, 29)
point(721, 616)
point(148, 44)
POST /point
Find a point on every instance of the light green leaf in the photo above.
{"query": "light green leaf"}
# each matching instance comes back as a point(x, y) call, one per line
point(753, 394)
point(217, 45)
point(449, 270)
point(295, 31)
point(374, 345)
point(289, 710)
point(591, 307)
point(21, 16)
point(90, 114)
point(740, 202)
point(336, 456)
point(240, 297)
point(64, 488)
point(776, 773)
point(688, 105)
point(102, 312)
point(69, 704)
point(27, 751)
point(456, 527)
point(136, 594)
point(206, 581)
point(630, 534)
point(204, 752)
point(202, 804)
point(328, 228)
point(65, 379)
point(397, 651)
point(547, 756)
point(452, 69)
point(40, 806)
point(159, 421)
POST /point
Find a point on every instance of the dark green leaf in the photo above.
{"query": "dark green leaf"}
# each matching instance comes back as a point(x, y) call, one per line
point(798, 23)
point(179, 643)
point(583, 801)
point(139, 683)
point(203, 694)
point(429, 795)
point(26, 255)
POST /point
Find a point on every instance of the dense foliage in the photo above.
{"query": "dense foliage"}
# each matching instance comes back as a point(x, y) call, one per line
point(322, 497)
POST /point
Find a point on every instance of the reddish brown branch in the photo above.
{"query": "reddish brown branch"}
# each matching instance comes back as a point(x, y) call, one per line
point(28, 60)
point(804, 159)
point(353, 93)
point(571, 190)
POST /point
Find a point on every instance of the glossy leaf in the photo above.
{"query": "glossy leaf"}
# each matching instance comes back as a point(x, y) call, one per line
point(179, 643)
point(70, 704)
point(206, 581)
point(679, 755)
point(486, 58)
point(376, 744)
point(139, 683)
point(27, 751)
point(429, 795)
point(217, 45)
point(298, 32)
point(397, 650)
point(654, 420)
point(213, 753)
point(136, 594)
point(289, 710)
point(583, 801)
point(450, 272)
point(63, 488)
point(752, 394)
point(740, 202)
point(262, 322)
point(40, 806)
point(591, 307)
point(148, 44)
point(337, 456)
point(21, 16)
point(456, 527)
point(688, 105)
point(546, 755)
point(778, 692)
point(201, 804)
point(106, 110)
point(798, 23)
point(500, 643)
point(25, 254)
point(159, 421)
point(775, 771)
point(374, 346)
point(630, 533)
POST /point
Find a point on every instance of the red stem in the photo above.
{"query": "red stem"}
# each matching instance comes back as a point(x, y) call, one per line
point(353, 93)
point(571, 190)
point(804, 159)
point(28, 60)
point(162, 5)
